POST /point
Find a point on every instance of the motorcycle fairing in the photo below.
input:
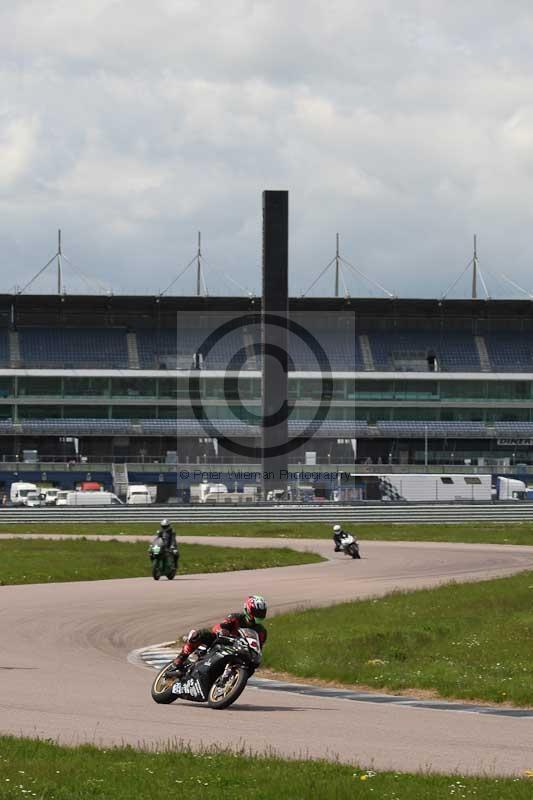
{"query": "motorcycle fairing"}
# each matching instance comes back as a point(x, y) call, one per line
point(190, 688)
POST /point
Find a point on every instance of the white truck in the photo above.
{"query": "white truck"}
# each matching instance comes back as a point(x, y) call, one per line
point(139, 495)
point(211, 492)
point(420, 487)
point(19, 492)
point(87, 499)
point(510, 489)
point(50, 496)
point(218, 493)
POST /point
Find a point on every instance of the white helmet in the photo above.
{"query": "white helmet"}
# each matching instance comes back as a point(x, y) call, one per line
point(337, 529)
point(164, 523)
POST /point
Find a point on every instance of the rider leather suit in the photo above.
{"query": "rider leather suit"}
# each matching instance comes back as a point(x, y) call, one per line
point(168, 538)
point(228, 627)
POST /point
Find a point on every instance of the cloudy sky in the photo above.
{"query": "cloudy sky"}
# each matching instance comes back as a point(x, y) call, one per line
point(405, 126)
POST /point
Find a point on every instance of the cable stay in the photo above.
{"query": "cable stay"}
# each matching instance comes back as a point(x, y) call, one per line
point(480, 274)
point(367, 279)
point(59, 257)
point(178, 276)
point(517, 286)
point(201, 284)
point(339, 262)
point(304, 294)
point(227, 277)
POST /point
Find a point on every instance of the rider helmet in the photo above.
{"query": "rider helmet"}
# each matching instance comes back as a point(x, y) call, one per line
point(255, 607)
point(337, 529)
point(165, 523)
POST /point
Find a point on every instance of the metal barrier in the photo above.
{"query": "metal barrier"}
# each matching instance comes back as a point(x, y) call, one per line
point(422, 513)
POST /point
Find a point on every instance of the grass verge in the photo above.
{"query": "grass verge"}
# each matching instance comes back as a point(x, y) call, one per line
point(31, 768)
point(475, 532)
point(470, 641)
point(47, 561)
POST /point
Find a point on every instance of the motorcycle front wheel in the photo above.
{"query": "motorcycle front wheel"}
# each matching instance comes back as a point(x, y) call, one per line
point(228, 687)
point(162, 687)
point(156, 572)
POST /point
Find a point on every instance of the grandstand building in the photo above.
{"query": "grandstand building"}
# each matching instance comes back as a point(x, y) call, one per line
point(99, 381)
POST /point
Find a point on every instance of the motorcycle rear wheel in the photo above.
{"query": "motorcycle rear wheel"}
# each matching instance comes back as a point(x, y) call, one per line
point(224, 692)
point(162, 687)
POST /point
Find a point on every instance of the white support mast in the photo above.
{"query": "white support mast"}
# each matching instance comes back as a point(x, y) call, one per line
point(337, 267)
point(199, 266)
point(59, 277)
point(474, 270)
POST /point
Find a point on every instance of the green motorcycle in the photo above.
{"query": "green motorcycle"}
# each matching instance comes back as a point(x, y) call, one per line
point(164, 561)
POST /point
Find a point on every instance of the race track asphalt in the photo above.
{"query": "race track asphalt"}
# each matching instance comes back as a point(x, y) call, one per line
point(65, 674)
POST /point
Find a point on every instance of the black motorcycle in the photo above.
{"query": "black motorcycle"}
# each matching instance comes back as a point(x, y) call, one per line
point(216, 675)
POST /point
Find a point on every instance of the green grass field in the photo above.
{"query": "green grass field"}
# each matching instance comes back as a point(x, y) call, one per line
point(476, 532)
point(47, 561)
point(45, 771)
point(471, 641)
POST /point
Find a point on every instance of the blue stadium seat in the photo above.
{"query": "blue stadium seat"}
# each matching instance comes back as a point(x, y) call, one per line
point(510, 352)
point(74, 347)
point(455, 352)
point(435, 429)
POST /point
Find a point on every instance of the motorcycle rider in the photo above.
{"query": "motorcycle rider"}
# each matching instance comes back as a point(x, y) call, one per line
point(255, 608)
point(338, 535)
point(167, 535)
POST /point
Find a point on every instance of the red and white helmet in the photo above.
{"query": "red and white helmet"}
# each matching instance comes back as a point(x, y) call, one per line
point(255, 607)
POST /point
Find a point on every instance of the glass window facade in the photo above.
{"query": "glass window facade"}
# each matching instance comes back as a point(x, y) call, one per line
point(86, 387)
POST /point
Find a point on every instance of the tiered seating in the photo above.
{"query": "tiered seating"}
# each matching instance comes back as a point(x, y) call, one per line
point(455, 352)
point(435, 429)
point(76, 427)
point(74, 347)
point(512, 430)
point(348, 429)
point(191, 427)
point(510, 353)
point(170, 348)
point(223, 351)
point(342, 352)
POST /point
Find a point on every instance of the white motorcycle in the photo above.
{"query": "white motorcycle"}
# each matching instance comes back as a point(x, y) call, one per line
point(350, 546)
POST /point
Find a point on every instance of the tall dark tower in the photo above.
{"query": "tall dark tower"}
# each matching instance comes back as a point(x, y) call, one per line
point(274, 336)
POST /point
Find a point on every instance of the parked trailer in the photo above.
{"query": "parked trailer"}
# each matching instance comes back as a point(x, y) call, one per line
point(422, 487)
point(94, 499)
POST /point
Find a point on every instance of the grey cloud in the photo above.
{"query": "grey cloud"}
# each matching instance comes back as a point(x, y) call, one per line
point(405, 127)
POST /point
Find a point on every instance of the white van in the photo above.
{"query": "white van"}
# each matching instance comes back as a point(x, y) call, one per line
point(139, 495)
point(87, 499)
point(19, 492)
point(33, 500)
point(50, 496)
